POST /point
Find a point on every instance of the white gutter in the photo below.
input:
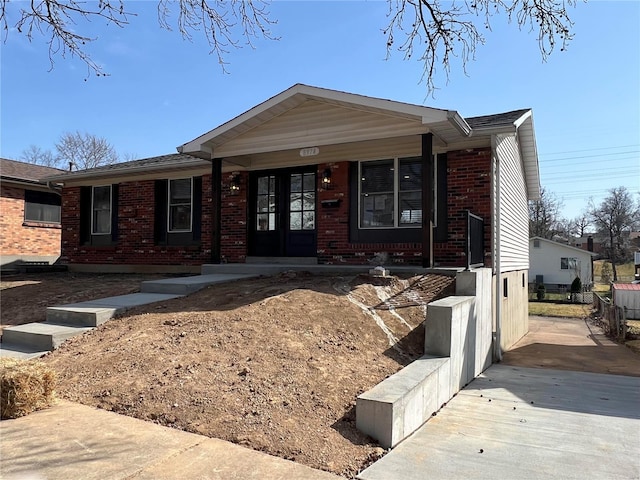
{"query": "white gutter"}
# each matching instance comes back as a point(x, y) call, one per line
point(498, 334)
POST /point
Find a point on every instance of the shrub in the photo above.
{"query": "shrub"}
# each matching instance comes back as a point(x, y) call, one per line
point(541, 291)
point(576, 288)
point(25, 386)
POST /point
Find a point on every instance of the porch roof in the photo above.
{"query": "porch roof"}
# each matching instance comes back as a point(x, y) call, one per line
point(354, 118)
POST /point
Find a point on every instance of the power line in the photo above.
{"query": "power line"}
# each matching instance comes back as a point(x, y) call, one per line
point(593, 156)
point(589, 150)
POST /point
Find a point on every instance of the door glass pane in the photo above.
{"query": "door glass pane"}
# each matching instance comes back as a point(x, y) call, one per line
point(308, 220)
point(266, 203)
point(295, 204)
point(309, 182)
point(296, 182)
point(295, 220)
point(309, 201)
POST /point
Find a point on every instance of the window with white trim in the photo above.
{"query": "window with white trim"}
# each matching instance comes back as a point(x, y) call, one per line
point(390, 193)
point(180, 198)
point(101, 210)
point(568, 263)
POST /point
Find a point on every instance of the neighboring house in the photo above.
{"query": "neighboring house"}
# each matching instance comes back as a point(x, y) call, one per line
point(321, 176)
point(589, 243)
point(29, 214)
point(557, 265)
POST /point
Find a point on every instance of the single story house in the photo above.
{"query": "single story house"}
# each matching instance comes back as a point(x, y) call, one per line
point(556, 265)
point(29, 214)
point(320, 176)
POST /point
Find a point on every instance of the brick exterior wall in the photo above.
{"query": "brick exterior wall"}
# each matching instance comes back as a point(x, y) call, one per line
point(468, 188)
point(233, 241)
point(135, 245)
point(21, 238)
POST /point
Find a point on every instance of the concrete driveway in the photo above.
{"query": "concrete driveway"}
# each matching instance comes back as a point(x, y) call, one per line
point(518, 420)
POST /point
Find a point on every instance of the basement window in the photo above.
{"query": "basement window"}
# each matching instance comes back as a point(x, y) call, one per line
point(505, 287)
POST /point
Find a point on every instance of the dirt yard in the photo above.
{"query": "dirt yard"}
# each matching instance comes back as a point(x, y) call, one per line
point(274, 364)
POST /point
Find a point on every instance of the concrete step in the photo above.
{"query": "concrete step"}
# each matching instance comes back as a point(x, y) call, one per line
point(40, 336)
point(20, 352)
point(274, 268)
point(95, 312)
point(187, 285)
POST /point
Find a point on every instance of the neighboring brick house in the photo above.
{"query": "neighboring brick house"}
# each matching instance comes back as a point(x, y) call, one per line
point(29, 214)
point(316, 175)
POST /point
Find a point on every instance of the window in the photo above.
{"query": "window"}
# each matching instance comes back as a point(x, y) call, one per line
point(391, 193)
point(568, 263)
point(536, 243)
point(505, 288)
point(43, 207)
point(180, 203)
point(101, 210)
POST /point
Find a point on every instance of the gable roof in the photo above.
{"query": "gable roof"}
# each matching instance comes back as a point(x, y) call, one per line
point(448, 122)
point(505, 119)
point(563, 245)
point(23, 172)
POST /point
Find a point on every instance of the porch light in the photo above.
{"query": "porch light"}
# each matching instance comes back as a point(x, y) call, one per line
point(234, 184)
point(326, 178)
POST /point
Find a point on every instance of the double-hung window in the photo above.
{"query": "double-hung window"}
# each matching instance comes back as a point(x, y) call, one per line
point(101, 210)
point(391, 193)
point(568, 263)
point(180, 205)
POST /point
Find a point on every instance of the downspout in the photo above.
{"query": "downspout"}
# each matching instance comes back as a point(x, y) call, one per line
point(496, 240)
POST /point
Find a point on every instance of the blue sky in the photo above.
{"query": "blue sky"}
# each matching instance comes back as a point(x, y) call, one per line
point(164, 91)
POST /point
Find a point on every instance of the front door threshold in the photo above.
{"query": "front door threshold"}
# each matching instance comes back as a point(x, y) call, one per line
point(283, 260)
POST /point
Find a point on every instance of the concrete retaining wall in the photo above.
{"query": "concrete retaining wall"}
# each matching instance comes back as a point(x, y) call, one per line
point(458, 339)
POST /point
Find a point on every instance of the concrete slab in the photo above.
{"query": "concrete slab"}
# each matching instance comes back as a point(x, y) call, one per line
point(75, 441)
point(187, 285)
point(40, 336)
point(571, 344)
point(526, 423)
point(274, 269)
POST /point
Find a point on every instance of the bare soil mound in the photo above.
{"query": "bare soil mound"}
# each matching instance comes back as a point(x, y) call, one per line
point(274, 364)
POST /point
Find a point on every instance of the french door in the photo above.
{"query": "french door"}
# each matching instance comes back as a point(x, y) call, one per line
point(282, 213)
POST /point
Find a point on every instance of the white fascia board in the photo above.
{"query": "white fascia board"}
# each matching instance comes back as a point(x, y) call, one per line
point(459, 123)
point(529, 152)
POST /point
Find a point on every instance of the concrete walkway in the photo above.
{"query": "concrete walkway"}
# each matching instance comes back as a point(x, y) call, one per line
point(71, 441)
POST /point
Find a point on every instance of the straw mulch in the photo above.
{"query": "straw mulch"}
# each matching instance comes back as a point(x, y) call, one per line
point(25, 386)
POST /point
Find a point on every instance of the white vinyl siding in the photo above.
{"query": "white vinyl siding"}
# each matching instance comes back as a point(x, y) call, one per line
point(547, 260)
point(315, 123)
point(514, 211)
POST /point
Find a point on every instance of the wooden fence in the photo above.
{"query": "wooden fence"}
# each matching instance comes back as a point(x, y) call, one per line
point(614, 318)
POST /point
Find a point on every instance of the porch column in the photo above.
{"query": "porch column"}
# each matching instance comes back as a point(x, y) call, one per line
point(216, 204)
point(427, 200)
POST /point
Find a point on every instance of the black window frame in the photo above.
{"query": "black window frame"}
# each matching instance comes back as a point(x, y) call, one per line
point(38, 201)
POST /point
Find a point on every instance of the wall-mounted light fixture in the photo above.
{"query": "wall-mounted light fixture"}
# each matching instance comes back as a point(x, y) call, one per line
point(234, 184)
point(326, 178)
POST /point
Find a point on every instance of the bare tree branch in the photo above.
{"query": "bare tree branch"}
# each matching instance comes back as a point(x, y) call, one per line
point(84, 150)
point(439, 33)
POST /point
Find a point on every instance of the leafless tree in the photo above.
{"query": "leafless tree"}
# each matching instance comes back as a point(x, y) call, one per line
point(617, 215)
point(544, 216)
point(222, 23)
point(83, 150)
point(434, 31)
point(38, 156)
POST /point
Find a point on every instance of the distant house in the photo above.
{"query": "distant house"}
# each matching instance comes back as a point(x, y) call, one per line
point(589, 243)
point(557, 265)
point(320, 176)
point(29, 214)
